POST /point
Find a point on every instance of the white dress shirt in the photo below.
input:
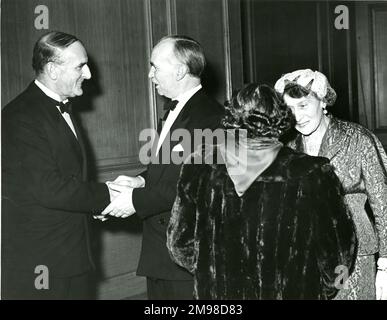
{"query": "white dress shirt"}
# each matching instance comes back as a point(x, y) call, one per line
point(182, 100)
point(56, 97)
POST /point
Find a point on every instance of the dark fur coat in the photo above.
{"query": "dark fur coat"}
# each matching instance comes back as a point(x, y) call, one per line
point(283, 239)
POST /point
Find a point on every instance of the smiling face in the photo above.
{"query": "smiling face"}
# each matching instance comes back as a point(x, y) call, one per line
point(164, 69)
point(71, 71)
point(308, 112)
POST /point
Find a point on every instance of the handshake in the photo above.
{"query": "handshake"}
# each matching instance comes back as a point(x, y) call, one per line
point(120, 191)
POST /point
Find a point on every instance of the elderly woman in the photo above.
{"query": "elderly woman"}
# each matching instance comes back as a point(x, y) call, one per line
point(266, 222)
point(359, 161)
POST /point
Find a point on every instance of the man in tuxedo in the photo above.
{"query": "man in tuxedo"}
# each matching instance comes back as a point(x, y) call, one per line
point(177, 63)
point(46, 199)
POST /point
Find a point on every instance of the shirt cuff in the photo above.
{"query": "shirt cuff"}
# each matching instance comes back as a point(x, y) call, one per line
point(142, 182)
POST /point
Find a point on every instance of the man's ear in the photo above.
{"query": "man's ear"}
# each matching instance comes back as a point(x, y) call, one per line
point(182, 70)
point(51, 70)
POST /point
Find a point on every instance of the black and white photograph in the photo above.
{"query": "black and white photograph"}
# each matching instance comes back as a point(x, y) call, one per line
point(207, 151)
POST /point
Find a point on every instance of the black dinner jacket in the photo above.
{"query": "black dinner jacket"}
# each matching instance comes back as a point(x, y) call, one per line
point(153, 203)
point(46, 200)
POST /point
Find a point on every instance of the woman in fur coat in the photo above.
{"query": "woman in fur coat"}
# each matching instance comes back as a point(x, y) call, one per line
point(262, 221)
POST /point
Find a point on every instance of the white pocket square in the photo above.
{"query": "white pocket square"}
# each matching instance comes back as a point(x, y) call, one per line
point(178, 148)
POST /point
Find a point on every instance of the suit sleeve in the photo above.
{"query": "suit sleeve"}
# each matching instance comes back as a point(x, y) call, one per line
point(39, 180)
point(181, 228)
point(143, 174)
point(153, 200)
point(335, 239)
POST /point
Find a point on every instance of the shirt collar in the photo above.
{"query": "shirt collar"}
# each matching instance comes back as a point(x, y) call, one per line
point(48, 92)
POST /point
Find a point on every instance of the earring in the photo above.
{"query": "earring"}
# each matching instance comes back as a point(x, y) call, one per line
point(325, 111)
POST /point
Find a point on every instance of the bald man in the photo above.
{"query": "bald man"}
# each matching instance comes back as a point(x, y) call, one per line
point(177, 63)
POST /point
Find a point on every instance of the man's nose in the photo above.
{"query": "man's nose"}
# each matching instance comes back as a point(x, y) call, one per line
point(86, 72)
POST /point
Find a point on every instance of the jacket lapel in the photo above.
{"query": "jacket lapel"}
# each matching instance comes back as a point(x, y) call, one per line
point(183, 119)
point(49, 110)
point(331, 143)
point(81, 144)
point(181, 122)
point(69, 136)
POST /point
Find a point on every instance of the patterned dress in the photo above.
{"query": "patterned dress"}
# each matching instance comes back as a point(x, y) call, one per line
point(360, 162)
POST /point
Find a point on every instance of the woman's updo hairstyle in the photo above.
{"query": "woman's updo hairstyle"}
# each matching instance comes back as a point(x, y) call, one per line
point(259, 110)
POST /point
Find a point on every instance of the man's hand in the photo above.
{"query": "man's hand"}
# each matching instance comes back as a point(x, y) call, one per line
point(133, 182)
point(100, 217)
point(113, 193)
point(115, 189)
point(122, 206)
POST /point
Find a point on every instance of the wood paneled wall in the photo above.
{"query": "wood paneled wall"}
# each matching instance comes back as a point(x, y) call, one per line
point(283, 36)
point(216, 25)
point(119, 101)
point(279, 37)
point(372, 66)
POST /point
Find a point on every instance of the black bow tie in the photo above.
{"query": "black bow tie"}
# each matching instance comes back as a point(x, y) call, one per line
point(170, 105)
point(65, 107)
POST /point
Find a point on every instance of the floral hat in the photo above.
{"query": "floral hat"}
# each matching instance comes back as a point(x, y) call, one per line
point(310, 80)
